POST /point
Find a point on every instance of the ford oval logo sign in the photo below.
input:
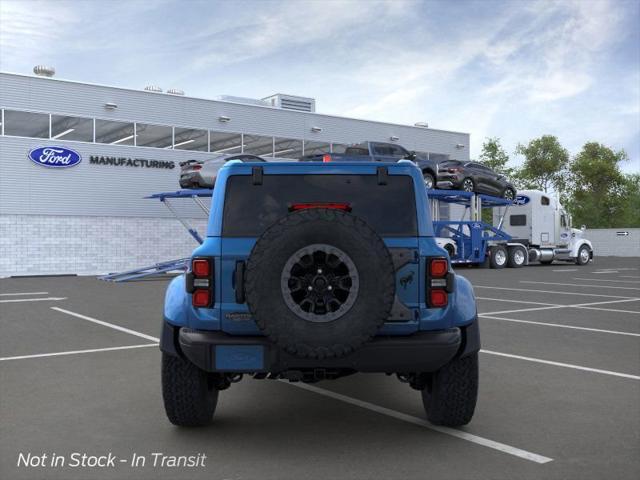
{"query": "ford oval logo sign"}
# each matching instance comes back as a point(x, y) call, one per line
point(55, 157)
point(521, 200)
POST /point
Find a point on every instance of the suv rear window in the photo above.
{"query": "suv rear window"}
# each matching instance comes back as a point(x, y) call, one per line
point(389, 209)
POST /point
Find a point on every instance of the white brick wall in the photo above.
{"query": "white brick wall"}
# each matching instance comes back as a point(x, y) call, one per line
point(43, 245)
point(607, 242)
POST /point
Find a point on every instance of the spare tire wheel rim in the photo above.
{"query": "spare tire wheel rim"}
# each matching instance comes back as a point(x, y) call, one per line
point(319, 283)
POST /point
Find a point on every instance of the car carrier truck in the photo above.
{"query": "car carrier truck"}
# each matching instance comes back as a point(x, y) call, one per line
point(532, 228)
point(538, 222)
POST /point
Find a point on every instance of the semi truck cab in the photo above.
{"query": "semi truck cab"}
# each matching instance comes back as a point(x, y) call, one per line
point(539, 222)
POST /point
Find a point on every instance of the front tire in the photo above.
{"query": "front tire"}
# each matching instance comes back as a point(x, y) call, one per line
point(190, 396)
point(451, 393)
point(584, 255)
point(429, 180)
point(468, 185)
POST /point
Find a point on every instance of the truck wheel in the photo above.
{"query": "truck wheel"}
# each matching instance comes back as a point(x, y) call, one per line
point(517, 257)
point(190, 396)
point(429, 181)
point(497, 256)
point(451, 393)
point(583, 255)
point(320, 283)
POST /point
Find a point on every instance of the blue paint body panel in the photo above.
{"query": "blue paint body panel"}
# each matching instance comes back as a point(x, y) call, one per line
point(239, 357)
point(235, 319)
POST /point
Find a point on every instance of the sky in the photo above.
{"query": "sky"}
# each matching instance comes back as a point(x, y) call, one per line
point(513, 69)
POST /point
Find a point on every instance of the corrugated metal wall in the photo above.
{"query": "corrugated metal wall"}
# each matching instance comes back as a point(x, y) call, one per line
point(87, 189)
point(58, 96)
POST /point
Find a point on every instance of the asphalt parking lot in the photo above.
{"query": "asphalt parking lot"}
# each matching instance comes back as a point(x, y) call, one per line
point(559, 390)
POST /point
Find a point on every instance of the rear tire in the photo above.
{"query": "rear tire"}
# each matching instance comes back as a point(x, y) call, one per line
point(517, 257)
point(190, 396)
point(498, 256)
point(509, 194)
point(451, 393)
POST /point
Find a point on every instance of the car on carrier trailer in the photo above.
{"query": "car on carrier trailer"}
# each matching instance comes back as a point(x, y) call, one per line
point(308, 273)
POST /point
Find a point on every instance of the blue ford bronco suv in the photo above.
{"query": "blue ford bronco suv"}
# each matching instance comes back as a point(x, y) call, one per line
point(315, 271)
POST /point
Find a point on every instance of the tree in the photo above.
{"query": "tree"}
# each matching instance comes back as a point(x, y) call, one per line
point(600, 195)
point(545, 164)
point(630, 215)
point(495, 157)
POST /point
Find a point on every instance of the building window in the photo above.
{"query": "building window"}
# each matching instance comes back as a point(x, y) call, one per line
point(191, 139)
point(258, 145)
point(316, 148)
point(225, 143)
point(287, 148)
point(115, 133)
point(157, 136)
point(26, 124)
point(71, 128)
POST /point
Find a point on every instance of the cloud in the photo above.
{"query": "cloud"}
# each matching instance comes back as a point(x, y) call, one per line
point(492, 68)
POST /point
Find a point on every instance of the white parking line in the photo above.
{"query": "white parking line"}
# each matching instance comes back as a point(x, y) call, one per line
point(560, 364)
point(606, 271)
point(566, 270)
point(629, 276)
point(47, 299)
point(23, 293)
point(607, 280)
point(588, 306)
point(533, 309)
point(581, 285)
point(545, 324)
point(528, 290)
point(516, 301)
point(610, 310)
point(517, 452)
point(107, 324)
point(74, 352)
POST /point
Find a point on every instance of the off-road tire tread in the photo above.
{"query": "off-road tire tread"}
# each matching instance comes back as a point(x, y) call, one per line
point(454, 392)
point(189, 401)
point(277, 232)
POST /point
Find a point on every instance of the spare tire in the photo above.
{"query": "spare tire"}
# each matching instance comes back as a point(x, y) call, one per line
point(320, 283)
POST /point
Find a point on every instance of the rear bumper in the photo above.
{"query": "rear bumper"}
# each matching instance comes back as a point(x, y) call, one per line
point(421, 352)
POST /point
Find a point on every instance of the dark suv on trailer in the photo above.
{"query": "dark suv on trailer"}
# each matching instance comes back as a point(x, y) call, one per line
point(474, 177)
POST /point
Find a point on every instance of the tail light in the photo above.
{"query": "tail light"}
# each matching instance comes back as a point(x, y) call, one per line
point(304, 206)
point(440, 282)
point(454, 170)
point(326, 158)
point(196, 167)
point(199, 282)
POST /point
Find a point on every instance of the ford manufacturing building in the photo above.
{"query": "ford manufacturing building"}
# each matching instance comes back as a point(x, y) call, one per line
point(91, 217)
